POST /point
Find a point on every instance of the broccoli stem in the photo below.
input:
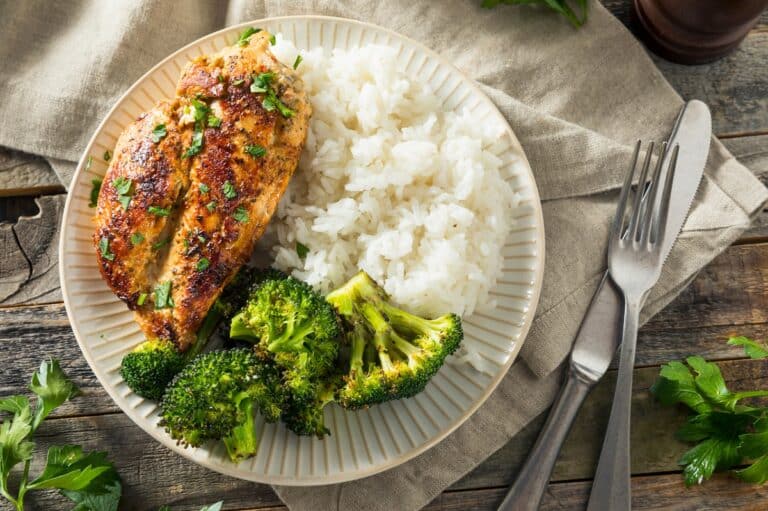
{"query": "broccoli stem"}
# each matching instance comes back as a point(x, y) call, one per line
point(292, 338)
point(206, 330)
point(240, 329)
point(243, 441)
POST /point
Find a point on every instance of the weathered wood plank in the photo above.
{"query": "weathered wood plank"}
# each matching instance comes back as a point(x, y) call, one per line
point(578, 458)
point(648, 493)
point(153, 475)
point(26, 174)
point(733, 87)
point(29, 259)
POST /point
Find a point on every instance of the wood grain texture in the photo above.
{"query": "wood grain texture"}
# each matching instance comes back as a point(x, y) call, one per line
point(29, 258)
point(26, 174)
point(153, 475)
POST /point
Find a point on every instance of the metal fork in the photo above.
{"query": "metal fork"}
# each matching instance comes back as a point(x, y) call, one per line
point(634, 262)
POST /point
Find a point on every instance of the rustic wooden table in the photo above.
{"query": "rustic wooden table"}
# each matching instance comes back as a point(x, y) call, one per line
point(729, 296)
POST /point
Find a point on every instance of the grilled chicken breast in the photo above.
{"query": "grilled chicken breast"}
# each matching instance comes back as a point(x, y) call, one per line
point(205, 174)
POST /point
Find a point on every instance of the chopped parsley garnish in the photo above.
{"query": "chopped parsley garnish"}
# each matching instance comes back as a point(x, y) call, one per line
point(159, 133)
point(261, 81)
point(160, 244)
point(197, 144)
point(95, 189)
point(200, 110)
point(302, 250)
point(297, 61)
point(229, 190)
point(255, 150)
point(204, 188)
point(142, 298)
point(122, 185)
point(272, 40)
point(213, 121)
point(123, 188)
point(163, 298)
point(246, 35)
point(104, 249)
point(203, 264)
point(262, 84)
point(220, 78)
point(240, 214)
point(201, 238)
point(211, 206)
point(238, 82)
point(159, 211)
point(88, 162)
point(107, 155)
point(136, 238)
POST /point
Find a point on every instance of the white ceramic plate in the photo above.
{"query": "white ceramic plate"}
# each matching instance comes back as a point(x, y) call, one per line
point(363, 442)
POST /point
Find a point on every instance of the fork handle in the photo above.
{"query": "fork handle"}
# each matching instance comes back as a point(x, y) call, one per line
point(528, 490)
point(611, 489)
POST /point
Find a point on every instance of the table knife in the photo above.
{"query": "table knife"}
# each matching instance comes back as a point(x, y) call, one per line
point(598, 337)
point(692, 135)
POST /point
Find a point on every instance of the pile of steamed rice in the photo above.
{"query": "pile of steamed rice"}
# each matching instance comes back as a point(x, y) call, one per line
point(391, 183)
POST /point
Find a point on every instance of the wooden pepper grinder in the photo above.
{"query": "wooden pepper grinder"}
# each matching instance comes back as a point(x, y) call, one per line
point(696, 31)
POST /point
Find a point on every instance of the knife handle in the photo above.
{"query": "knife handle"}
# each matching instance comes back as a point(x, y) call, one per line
point(529, 487)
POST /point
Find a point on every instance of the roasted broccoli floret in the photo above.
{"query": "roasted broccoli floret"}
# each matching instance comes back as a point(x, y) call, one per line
point(216, 396)
point(392, 353)
point(305, 416)
point(149, 368)
point(293, 326)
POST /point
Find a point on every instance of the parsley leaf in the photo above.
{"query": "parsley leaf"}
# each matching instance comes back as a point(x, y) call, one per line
point(272, 39)
point(726, 432)
point(240, 214)
point(104, 249)
point(107, 155)
point(229, 190)
point(559, 6)
point(204, 188)
point(211, 206)
point(106, 500)
point(297, 61)
point(160, 244)
point(159, 211)
point(196, 146)
point(88, 479)
point(142, 298)
point(203, 264)
point(213, 121)
point(163, 298)
point(52, 387)
point(261, 81)
point(238, 82)
point(246, 35)
point(262, 84)
point(136, 238)
point(159, 133)
point(69, 468)
point(123, 187)
point(753, 349)
point(95, 189)
point(88, 162)
point(711, 454)
point(255, 150)
point(302, 250)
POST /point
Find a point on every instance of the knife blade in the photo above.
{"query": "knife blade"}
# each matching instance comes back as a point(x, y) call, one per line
point(599, 335)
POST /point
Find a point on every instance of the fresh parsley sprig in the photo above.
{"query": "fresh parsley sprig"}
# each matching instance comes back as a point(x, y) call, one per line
point(726, 431)
point(86, 478)
point(560, 6)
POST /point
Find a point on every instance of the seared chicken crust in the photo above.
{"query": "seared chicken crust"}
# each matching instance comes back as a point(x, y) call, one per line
point(199, 204)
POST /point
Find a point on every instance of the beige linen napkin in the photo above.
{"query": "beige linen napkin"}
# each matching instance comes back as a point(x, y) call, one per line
point(577, 100)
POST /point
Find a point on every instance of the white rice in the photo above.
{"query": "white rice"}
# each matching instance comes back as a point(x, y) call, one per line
point(391, 183)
